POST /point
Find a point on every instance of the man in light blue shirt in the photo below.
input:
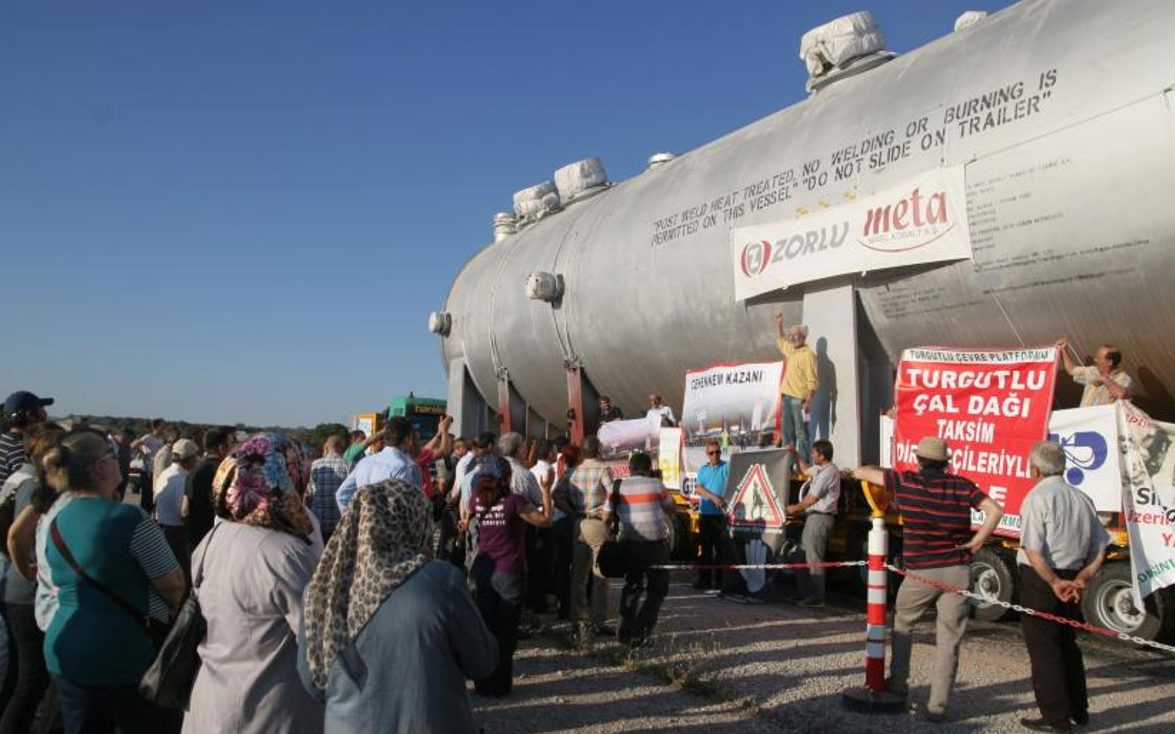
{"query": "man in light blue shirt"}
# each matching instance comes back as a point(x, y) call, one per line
point(393, 462)
point(711, 487)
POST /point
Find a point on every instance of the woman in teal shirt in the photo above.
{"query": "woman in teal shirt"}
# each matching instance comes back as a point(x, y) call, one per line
point(94, 648)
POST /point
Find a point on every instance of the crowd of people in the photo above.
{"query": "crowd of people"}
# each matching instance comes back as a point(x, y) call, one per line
point(321, 580)
point(359, 588)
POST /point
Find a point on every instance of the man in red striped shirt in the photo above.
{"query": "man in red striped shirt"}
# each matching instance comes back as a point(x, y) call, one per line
point(937, 544)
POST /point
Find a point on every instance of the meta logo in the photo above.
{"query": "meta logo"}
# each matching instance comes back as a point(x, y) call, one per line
point(1085, 451)
point(758, 256)
point(911, 222)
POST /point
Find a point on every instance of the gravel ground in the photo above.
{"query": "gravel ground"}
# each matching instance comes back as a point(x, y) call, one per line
point(776, 668)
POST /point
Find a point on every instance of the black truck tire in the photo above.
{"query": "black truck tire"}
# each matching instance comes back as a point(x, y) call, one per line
point(993, 575)
point(681, 544)
point(1109, 602)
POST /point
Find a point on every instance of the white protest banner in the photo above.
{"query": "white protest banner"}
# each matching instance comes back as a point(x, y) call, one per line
point(1148, 498)
point(731, 403)
point(886, 432)
point(1093, 461)
point(920, 221)
point(669, 457)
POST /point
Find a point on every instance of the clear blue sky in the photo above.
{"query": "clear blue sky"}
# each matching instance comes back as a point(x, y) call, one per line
point(242, 211)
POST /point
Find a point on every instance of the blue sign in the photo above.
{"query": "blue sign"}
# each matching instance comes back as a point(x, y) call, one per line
point(1085, 451)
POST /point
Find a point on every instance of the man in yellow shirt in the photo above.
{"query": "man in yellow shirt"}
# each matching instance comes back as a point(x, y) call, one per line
point(798, 386)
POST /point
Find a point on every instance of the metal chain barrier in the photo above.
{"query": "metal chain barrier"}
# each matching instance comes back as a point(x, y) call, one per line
point(967, 593)
point(1086, 626)
point(756, 566)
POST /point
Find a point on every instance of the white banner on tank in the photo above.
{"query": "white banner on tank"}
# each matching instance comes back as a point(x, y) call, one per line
point(923, 220)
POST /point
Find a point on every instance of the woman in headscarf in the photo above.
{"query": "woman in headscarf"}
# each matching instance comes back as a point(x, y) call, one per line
point(390, 636)
point(250, 572)
point(498, 572)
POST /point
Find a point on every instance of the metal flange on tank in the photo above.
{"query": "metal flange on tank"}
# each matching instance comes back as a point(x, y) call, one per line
point(543, 286)
point(440, 322)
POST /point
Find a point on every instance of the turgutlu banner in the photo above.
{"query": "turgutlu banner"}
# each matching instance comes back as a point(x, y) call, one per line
point(990, 407)
point(1089, 437)
point(920, 221)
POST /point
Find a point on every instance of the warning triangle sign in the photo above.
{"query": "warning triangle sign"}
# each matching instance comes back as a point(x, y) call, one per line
point(754, 501)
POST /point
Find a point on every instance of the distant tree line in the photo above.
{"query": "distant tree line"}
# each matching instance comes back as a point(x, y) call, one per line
point(195, 431)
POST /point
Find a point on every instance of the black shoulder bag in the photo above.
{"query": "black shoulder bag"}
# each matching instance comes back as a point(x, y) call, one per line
point(168, 682)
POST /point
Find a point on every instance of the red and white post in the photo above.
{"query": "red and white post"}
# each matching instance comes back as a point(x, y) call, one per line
point(873, 698)
point(875, 627)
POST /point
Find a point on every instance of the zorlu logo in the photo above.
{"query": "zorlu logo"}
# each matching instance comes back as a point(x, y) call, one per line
point(756, 256)
point(1085, 451)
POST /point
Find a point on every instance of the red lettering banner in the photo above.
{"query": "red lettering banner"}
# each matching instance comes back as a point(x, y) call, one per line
point(990, 407)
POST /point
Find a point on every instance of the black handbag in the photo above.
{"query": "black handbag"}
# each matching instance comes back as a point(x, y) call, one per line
point(612, 558)
point(168, 682)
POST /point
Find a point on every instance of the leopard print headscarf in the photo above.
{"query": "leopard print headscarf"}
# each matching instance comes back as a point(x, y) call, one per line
point(380, 541)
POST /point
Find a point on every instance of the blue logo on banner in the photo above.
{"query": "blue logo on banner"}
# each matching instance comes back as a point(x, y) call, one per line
point(1085, 451)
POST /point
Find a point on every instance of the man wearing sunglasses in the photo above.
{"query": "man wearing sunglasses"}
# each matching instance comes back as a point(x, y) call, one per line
point(711, 487)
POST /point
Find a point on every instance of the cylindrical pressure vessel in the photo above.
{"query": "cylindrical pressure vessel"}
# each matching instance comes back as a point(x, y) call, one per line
point(1061, 114)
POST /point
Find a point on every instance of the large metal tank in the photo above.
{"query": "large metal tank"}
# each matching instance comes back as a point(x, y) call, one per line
point(1061, 112)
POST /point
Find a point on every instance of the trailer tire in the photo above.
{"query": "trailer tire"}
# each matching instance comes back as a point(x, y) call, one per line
point(680, 543)
point(992, 576)
point(1109, 603)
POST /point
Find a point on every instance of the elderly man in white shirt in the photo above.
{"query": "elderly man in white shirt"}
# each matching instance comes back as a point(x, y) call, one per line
point(818, 506)
point(659, 411)
point(1062, 546)
point(393, 462)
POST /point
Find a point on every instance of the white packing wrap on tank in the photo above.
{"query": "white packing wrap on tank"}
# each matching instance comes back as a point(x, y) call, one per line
point(969, 18)
point(576, 178)
point(838, 42)
point(535, 202)
point(638, 434)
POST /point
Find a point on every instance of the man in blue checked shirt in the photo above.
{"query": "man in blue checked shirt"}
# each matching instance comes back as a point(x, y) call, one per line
point(326, 476)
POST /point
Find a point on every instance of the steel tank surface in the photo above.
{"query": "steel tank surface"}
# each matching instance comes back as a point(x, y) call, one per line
point(1061, 113)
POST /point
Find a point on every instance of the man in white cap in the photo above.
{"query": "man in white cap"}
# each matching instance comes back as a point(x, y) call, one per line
point(937, 544)
point(169, 500)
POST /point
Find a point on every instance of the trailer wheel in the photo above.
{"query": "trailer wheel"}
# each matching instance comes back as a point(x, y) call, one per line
point(680, 542)
point(993, 578)
point(1109, 603)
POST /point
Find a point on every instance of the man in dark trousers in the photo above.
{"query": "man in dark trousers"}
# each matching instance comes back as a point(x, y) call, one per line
point(711, 489)
point(1062, 546)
